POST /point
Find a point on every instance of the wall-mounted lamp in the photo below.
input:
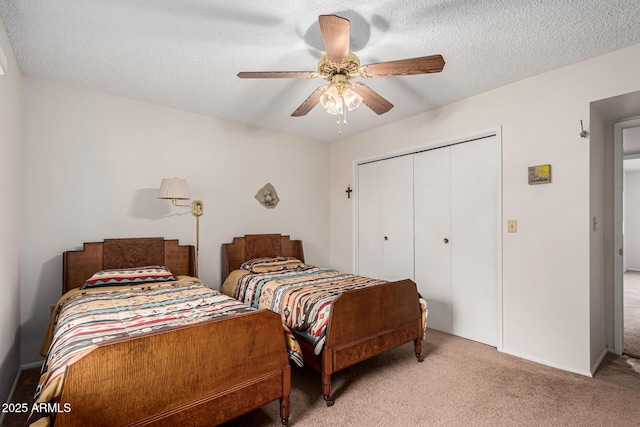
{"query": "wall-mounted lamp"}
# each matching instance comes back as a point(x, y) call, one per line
point(176, 189)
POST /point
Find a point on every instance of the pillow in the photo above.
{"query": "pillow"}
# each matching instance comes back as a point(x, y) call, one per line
point(270, 264)
point(129, 276)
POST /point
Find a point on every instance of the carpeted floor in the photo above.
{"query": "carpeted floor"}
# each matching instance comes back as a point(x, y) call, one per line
point(632, 313)
point(461, 382)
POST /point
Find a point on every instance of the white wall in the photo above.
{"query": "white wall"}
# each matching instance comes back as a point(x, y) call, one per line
point(546, 265)
point(632, 220)
point(94, 165)
point(10, 217)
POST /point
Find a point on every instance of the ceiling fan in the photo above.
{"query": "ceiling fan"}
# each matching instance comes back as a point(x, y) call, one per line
point(339, 67)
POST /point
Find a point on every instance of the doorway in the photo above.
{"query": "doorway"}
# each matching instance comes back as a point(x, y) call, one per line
point(631, 240)
point(627, 237)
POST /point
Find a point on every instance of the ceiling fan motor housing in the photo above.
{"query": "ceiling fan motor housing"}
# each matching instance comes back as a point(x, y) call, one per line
point(327, 69)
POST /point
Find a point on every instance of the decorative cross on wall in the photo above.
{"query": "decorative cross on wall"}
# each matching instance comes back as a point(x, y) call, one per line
point(348, 191)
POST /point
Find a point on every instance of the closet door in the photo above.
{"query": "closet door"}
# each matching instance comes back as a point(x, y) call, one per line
point(385, 219)
point(432, 201)
point(474, 245)
point(456, 220)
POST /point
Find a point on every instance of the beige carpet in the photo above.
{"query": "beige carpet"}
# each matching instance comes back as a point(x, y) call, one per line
point(459, 383)
point(632, 313)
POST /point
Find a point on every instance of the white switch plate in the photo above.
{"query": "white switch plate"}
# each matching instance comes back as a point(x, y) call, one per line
point(512, 225)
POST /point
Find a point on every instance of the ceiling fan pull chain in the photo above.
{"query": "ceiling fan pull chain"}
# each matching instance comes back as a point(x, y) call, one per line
point(342, 120)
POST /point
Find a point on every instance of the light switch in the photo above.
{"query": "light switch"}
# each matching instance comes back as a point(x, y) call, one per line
point(512, 225)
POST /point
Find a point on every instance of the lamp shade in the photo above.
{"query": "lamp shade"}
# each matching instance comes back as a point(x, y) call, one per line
point(174, 188)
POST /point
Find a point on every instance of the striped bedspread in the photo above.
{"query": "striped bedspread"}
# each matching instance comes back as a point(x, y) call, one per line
point(85, 318)
point(302, 297)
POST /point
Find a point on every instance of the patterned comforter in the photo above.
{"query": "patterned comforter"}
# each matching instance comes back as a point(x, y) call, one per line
point(302, 297)
point(83, 319)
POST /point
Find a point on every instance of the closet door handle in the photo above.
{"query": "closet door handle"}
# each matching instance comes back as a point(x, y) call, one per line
point(445, 240)
point(386, 238)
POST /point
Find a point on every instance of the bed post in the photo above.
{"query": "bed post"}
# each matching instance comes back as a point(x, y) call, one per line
point(417, 347)
point(284, 400)
point(325, 373)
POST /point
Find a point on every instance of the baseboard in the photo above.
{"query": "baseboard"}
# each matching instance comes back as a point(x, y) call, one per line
point(13, 389)
point(32, 365)
point(596, 365)
point(547, 363)
point(15, 383)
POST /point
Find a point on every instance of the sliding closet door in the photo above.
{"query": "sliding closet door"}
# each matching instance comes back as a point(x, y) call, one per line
point(474, 246)
point(432, 203)
point(385, 218)
point(456, 211)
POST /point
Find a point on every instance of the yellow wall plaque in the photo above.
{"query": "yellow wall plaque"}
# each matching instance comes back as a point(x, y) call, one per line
point(540, 174)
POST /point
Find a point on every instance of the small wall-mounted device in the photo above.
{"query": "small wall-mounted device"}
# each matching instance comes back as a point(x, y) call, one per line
point(583, 132)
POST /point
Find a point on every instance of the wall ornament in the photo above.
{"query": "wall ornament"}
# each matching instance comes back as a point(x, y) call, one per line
point(267, 196)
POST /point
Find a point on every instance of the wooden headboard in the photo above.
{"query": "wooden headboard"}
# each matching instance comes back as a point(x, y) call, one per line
point(78, 266)
point(257, 246)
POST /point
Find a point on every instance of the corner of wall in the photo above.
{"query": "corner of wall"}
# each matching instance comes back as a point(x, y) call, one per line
point(11, 186)
point(10, 370)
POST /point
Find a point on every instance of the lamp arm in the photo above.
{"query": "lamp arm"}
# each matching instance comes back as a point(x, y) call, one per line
point(174, 202)
point(196, 206)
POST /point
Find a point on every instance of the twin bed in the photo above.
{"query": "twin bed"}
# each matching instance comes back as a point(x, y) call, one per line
point(361, 323)
point(223, 357)
point(202, 373)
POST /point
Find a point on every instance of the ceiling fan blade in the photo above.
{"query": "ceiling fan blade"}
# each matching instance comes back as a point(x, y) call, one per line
point(278, 74)
point(310, 102)
point(371, 99)
point(335, 33)
point(404, 67)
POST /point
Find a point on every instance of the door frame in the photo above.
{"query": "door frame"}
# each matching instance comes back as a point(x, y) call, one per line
point(495, 131)
point(618, 236)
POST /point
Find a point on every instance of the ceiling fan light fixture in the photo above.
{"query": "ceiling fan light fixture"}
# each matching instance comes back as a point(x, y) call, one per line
point(351, 99)
point(338, 108)
point(329, 99)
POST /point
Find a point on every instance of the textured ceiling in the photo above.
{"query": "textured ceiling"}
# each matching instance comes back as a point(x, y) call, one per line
point(185, 54)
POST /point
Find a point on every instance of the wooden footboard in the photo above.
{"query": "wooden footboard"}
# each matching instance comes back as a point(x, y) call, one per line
point(365, 323)
point(199, 375)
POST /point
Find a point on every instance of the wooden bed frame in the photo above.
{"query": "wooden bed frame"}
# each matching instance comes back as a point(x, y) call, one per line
point(364, 322)
point(199, 375)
